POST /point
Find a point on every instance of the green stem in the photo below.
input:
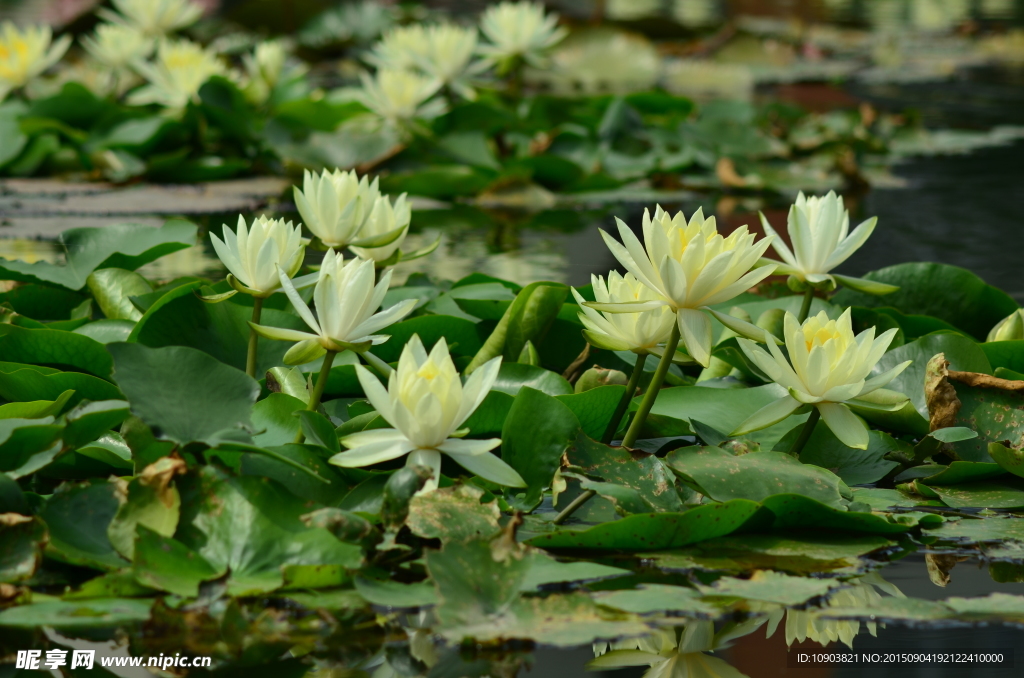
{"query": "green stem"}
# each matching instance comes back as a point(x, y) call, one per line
point(806, 308)
point(805, 432)
point(652, 391)
point(573, 505)
point(620, 409)
point(254, 339)
point(318, 389)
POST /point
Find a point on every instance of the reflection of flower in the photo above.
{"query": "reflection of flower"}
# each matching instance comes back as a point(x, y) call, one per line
point(253, 255)
point(637, 332)
point(518, 30)
point(383, 219)
point(335, 205)
point(804, 624)
point(827, 367)
point(25, 53)
point(399, 96)
point(426, 402)
point(346, 300)
point(154, 17)
point(181, 67)
point(819, 229)
point(689, 266)
point(666, 657)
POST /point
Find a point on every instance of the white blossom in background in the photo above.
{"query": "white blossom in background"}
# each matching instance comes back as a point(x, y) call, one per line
point(174, 77)
point(155, 18)
point(25, 53)
point(518, 31)
point(399, 96)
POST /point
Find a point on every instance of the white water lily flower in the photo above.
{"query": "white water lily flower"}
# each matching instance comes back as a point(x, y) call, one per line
point(154, 17)
point(828, 368)
point(346, 300)
point(25, 53)
point(335, 205)
point(265, 67)
point(518, 30)
point(385, 221)
point(427, 402)
point(401, 48)
point(399, 96)
point(117, 46)
point(819, 228)
point(668, 658)
point(690, 267)
point(254, 254)
point(181, 67)
point(449, 51)
point(637, 332)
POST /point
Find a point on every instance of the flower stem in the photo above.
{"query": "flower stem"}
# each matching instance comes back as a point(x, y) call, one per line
point(318, 389)
point(573, 505)
point(254, 339)
point(805, 432)
point(806, 308)
point(620, 409)
point(652, 391)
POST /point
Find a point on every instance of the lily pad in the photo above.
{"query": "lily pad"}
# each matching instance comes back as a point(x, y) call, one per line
point(661, 599)
point(655, 531)
point(453, 513)
point(755, 476)
point(84, 614)
point(771, 587)
point(22, 539)
point(643, 473)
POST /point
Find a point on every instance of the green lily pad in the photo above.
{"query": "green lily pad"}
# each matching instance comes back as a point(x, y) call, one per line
point(981, 494)
point(979, 530)
point(514, 377)
point(963, 355)
point(77, 517)
point(594, 408)
point(755, 476)
point(661, 599)
point(545, 570)
point(949, 293)
point(890, 609)
point(655, 531)
point(22, 539)
point(126, 246)
point(556, 621)
point(723, 408)
point(853, 466)
point(964, 472)
point(251, 527)
point(85, 614)
point(795, 511)
point(168, 565)
point(388, 593)
point(537, 432)
point(453, 513)
point(198, 397)
point(54, 348)
point(1002, 607)
point(25, 383)
point(474, 582)
point(771, 587)
point(643, 473)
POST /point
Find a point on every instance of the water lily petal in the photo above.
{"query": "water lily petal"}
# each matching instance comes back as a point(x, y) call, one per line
point(768, 415)
point(847, 426)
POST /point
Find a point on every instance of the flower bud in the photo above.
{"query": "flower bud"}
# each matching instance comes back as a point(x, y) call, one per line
point(1010, 328)
point(600, 376)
